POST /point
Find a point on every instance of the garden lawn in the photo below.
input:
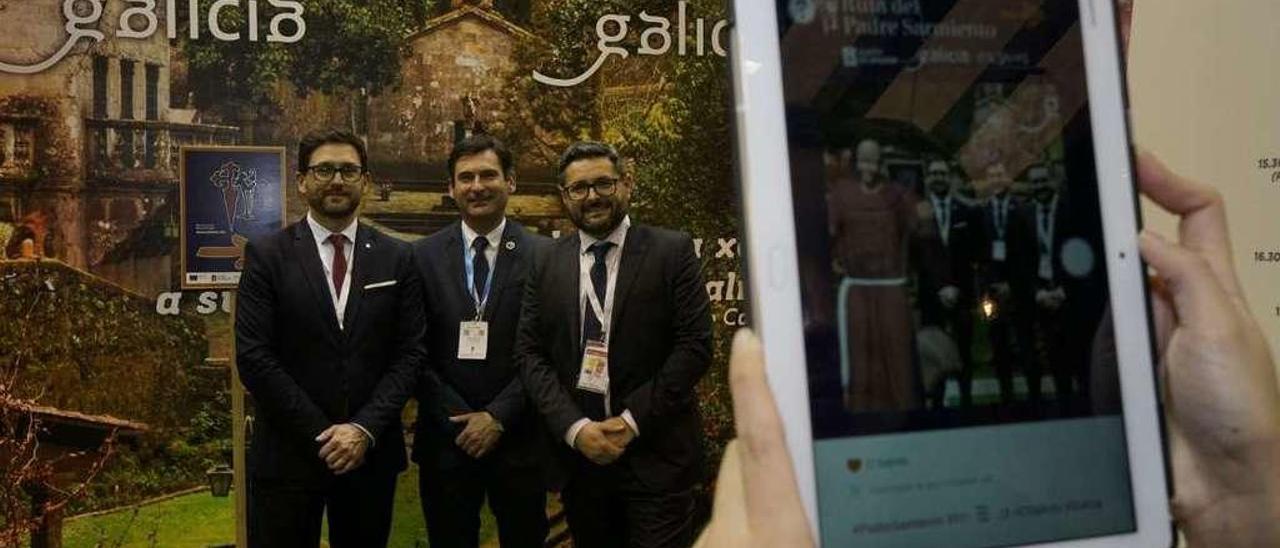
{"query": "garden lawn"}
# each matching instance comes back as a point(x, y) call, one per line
point(199, 520)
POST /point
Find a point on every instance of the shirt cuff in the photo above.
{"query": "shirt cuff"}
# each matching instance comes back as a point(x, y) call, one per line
point(572, 435)
point(631, 421)
point(372, 441)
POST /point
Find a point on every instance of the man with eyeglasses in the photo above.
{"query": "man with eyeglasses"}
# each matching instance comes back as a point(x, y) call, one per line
point(329, 325)
point(477, 435)
point(1066, 270)
point(614, 335)
point(945, 249)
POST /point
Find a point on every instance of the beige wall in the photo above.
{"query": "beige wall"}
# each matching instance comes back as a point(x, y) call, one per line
point(1206, 98)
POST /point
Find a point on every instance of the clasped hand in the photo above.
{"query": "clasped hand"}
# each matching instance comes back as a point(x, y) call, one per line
point(604, 442)
point(480, 435)
point(343, 447)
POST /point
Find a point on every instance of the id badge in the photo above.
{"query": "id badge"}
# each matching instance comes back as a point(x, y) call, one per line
point(473, 340)
point(1046, 268)
point(594, 374)
point(998, 252)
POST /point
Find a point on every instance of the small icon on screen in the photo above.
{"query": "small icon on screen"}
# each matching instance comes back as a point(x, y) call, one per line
point(855, 465)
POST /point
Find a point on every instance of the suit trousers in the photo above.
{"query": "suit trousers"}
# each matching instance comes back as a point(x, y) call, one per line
point(283, 514)
point(452, 497)
point(607, 507)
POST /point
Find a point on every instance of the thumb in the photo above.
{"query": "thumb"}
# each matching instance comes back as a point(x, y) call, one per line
point(460, 418)
point(768, 479)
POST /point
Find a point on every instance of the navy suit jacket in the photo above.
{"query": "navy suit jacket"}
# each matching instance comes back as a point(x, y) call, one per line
point(304, 372)
point(449, 386)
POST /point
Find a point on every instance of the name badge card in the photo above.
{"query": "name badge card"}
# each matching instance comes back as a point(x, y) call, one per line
point(473, 340)
point(1046, 267)
point(594, 375)
point(998, 252)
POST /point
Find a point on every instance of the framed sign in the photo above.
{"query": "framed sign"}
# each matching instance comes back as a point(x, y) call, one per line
point(228, 195)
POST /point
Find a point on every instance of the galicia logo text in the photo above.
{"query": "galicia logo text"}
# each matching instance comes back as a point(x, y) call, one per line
point(139, 21)
point(656, 39)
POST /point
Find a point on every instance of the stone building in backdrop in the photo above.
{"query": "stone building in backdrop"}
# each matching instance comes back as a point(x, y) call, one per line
point(88, 147)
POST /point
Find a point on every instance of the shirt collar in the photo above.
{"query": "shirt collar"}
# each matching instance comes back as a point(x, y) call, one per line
point(494, 236)
point(321, 233)
point(618, 235)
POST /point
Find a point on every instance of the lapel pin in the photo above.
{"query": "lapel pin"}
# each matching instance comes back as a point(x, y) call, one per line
point(510, 245)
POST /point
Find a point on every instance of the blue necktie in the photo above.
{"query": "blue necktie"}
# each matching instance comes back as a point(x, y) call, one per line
point(479, 268)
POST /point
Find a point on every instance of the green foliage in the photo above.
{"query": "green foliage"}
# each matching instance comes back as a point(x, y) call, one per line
point(350, 45)
point(80, 344)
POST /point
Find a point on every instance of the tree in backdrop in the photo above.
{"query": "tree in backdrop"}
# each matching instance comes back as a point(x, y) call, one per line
point(669, 115)
point(352, 47)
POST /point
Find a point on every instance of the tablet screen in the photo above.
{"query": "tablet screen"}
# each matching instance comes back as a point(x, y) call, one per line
point(961, 360)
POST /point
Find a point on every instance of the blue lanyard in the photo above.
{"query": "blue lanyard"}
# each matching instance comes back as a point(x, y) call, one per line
point(467, 252)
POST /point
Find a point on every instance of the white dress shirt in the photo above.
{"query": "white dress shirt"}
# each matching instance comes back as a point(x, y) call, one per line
point(612, 261)
point(325, 247)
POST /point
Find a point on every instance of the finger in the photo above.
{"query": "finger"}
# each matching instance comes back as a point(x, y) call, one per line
point(328, 433)
point(328, 448)
point(729, 511)
point(1162, 313)
point(1198, 299)
point(460, 418)
point(1203, 225)
point(770, 485)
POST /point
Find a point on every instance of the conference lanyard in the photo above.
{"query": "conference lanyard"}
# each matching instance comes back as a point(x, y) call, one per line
point(1000, 212)
point(1044, 224)
point(942, 212)
point(479, 300)
point(604, 310)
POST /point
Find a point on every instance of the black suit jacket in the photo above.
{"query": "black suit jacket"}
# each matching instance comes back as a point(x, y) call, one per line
point(304, 372)
point(1019, 267)
point(948, 264)
point(449, 386)
point(659, 348)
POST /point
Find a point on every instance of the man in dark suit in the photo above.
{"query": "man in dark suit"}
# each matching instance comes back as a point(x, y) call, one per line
point(328, 334)
point(614, 335)
point(1069, 285)
point(477, 433)
point(1007, 254)
point(946, 251)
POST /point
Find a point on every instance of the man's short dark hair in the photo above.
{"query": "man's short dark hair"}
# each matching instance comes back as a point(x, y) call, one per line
point(477, 144)
point(586, 150)
point(316, 139)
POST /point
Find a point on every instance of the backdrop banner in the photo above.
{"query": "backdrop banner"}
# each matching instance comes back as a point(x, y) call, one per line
point(143, 143)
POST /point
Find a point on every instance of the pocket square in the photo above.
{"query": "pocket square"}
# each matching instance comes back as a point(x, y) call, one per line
point(387, 283)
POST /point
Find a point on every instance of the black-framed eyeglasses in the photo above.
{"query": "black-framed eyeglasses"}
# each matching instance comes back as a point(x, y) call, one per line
point(579, 190)
point(325, 172)
point(1038, 181)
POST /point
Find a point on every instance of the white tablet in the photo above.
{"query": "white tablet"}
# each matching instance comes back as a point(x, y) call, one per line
point(942, 233)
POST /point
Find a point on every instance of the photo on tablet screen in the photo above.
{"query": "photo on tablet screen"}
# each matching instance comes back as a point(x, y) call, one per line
point(961, 362)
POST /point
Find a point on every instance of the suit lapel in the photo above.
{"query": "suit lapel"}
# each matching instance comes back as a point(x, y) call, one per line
point(634, 249)
point(570, 255)
point(456, 271)
point(510, 253)
point(307, 257)
point(366, 243)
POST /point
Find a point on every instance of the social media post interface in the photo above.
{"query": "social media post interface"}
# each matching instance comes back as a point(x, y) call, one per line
point(960, 352)
point(983, 486)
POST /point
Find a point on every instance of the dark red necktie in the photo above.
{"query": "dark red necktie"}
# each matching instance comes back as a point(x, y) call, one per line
point(339, 262)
